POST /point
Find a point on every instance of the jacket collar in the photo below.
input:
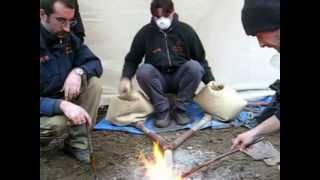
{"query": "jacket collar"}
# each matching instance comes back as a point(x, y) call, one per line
point(47, 39)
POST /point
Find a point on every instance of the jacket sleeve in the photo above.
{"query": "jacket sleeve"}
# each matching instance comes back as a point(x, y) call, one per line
point(49, 106)
point(277, 114)
point(135, 55)
point(276, 87)
point(90, 63)
point(197, 52)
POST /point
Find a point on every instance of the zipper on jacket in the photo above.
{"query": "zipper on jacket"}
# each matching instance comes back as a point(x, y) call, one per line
point(168, 52)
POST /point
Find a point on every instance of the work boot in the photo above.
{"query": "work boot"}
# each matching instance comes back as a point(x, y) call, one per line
point(162, 119)
point(181, 117)
point(82, 155)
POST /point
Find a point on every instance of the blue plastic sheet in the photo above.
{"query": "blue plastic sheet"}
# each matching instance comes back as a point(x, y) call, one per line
point(245, 118)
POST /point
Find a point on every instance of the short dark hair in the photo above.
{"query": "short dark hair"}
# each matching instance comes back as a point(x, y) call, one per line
point(47, 5)
point(166, 5)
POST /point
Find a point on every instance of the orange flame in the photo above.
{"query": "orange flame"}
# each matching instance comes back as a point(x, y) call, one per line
point(157, 169)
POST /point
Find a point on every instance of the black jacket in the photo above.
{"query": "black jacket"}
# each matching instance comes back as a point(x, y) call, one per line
point(274, 107)
point(166, 49)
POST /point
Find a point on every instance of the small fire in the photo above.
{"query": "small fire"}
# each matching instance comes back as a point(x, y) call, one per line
point(157, 168)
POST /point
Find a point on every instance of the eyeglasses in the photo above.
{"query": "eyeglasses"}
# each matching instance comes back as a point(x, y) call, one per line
point(64, 22)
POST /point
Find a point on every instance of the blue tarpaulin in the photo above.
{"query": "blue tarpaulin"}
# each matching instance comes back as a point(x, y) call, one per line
point(245, 118)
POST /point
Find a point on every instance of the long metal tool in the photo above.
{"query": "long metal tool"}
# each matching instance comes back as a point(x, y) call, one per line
point(92, 158)
point(168, 154)
point(198, 168)
point(152, 135)
point(187, 134)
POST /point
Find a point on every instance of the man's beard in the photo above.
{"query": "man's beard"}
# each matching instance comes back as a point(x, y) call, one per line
point(59, 34)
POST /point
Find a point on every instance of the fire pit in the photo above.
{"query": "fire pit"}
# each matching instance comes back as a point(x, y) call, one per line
point(157, 167)
point(117, 156)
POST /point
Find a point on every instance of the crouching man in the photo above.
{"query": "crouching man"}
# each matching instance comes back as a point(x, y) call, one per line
point(70, 88)
point(174, 62)
point(261, 18)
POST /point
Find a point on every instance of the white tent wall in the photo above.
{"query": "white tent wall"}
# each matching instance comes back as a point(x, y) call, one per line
point(235, 58)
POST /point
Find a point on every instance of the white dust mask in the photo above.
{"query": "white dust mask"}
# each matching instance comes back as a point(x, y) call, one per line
point(163, 23)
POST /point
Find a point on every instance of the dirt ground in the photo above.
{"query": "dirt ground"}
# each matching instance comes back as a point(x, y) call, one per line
point(117, 157)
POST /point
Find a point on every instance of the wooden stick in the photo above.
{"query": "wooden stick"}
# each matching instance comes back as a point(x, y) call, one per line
point(197, 168)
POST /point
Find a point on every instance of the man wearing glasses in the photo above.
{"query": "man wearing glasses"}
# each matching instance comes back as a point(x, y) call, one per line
point(70, 90)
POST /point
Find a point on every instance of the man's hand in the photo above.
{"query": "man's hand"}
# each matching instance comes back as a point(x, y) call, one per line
point(75, 113)
point(124, 86)
point(270, 125)
point(72, 86)
point(243, 140)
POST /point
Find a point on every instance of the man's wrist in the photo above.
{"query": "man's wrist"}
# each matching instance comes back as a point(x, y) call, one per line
point(79, 71)
point(254, 133)
point(62, 104)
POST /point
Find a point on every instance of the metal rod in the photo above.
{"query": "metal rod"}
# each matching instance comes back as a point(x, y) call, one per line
point(197, 168)
point(187, 134)
point(92, 158)
point(164, 145)
point(152, 135)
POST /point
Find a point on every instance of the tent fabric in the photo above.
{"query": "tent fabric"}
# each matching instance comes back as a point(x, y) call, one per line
point(235, 58)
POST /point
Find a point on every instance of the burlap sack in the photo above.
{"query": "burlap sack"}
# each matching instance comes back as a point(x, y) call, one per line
point(127, 109)
point(221, 101)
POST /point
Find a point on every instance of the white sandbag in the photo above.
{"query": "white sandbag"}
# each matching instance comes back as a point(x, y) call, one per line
point(127, 109)
point(221, 101)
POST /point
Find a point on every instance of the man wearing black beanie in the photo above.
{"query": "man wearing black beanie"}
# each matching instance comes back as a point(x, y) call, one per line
point(261, 18)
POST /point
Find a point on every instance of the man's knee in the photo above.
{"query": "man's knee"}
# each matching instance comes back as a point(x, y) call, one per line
point(194, 67)
point(53, 126)
point(95, 84)
point(145, 72)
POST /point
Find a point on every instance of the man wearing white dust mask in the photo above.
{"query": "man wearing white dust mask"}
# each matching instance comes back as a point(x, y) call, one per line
point(174, 62)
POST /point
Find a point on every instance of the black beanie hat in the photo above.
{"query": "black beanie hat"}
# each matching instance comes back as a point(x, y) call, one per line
point(260, 15)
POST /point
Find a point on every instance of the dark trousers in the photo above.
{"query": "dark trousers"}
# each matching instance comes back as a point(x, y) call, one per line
point(183, 82)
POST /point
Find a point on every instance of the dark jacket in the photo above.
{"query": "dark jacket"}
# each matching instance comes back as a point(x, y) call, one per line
point(166, 49)
point(274, 107)
point(57, 58)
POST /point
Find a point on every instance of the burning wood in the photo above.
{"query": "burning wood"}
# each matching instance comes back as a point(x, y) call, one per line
point(159, 168)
